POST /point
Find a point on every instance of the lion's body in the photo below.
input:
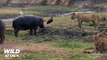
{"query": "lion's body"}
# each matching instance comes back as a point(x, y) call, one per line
point(83, 18)
point(100, 42)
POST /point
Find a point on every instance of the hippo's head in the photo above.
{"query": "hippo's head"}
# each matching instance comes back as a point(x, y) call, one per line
point(41, 23)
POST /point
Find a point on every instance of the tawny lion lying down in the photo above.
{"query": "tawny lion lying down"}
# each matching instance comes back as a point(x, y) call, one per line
point(100, 42)
point(83, 18)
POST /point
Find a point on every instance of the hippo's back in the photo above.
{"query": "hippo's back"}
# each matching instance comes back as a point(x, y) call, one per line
point(26, 21)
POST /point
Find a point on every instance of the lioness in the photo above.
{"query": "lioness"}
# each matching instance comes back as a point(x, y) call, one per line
point(83, 18)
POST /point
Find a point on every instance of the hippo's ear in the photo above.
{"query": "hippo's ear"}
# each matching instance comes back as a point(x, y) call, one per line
point(50, 20)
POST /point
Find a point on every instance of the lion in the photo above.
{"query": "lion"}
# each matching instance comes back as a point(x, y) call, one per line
point(83, 18)
point(100, 42)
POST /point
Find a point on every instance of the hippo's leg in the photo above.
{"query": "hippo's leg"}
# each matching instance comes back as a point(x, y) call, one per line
point(2, 39)
point(35, 31)
point(31, 31)
point(16, 32)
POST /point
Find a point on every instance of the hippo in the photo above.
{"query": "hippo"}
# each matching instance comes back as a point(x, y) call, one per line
point(28, 22)
point(2, 30)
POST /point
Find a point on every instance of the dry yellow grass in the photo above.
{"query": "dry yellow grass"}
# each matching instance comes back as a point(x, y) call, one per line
point(6, 11)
